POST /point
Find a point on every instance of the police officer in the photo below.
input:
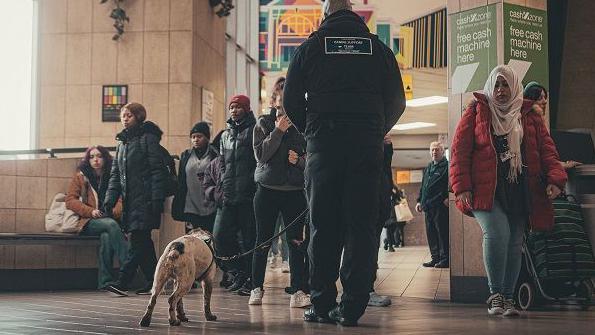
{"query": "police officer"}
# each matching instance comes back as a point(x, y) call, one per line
point(344, 92)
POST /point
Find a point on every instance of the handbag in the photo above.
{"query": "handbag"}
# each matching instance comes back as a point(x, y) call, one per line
point(59, 219)
point(403, 212)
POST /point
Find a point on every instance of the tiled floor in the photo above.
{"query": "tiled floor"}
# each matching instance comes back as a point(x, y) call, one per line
point(419, 307)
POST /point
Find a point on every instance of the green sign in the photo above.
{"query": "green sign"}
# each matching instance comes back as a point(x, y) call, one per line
point(473, 48)
point(525, 42)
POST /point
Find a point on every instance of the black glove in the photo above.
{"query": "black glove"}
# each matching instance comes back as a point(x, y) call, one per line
point(108, 210)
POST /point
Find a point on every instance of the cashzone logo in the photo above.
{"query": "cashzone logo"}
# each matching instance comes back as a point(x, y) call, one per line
point(475, 17)
point(525, 15)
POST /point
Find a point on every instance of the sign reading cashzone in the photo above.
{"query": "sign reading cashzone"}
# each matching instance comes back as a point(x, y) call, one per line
point(525, 42)
point(473, 48)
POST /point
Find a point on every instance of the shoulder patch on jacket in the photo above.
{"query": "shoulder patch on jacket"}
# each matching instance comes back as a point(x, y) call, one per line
point(348, 46)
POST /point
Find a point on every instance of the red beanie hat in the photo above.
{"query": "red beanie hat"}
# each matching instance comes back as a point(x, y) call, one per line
point(241, 100)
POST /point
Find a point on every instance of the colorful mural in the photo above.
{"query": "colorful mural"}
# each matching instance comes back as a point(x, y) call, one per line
point(285, 24)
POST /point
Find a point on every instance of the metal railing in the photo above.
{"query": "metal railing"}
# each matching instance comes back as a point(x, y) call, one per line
point(48, 151)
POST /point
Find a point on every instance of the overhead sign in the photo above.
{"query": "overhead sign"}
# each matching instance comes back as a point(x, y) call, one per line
point(525, 43)
point(474, 50)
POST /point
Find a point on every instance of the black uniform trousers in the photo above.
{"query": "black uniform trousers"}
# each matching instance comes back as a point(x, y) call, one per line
point(342, 187)
point(437, 232)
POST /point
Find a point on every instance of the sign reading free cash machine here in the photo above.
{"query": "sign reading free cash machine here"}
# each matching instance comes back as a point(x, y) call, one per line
point(473, 48)
point(525, 43)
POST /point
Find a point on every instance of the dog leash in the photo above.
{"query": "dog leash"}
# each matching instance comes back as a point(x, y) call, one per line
point(263, 244)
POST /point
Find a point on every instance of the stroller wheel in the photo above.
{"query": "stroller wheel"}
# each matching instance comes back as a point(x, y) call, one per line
point(526, 295)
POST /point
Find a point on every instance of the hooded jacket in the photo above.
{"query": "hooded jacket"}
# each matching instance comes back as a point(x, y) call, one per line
point(271, 149)
point(348, 90)
point(238, 161)
point(473, 165)
point(138, 176)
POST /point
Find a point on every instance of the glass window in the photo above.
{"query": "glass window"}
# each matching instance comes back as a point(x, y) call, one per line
point(17, 69)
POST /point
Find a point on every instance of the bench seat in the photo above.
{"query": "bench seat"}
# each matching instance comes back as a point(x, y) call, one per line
point(47, 239)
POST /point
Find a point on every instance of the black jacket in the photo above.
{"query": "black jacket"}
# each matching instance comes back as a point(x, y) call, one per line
point(434, 185)
point(238, 161)
point(346, 93)
point(139, 177)
point(271, 149)
point(179, 202)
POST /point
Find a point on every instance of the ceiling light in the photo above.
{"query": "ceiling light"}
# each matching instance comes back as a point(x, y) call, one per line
point(433, 100)
point(413, 125)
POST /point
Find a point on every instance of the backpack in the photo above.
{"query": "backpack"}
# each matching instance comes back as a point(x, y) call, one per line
point(169, 166)
point(59, 219)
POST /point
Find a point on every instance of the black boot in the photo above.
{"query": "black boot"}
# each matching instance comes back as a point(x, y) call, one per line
point(310, 315)
point(336, 315)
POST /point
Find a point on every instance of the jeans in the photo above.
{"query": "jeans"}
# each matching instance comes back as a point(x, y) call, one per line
point(112, 242)
point(141, 253)
point(342, 187)
point(267, 206)
point(284, 249)
point(502, 241)
point(234, 232)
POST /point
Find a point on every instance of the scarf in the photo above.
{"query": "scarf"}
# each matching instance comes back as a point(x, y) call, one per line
point(506, 116)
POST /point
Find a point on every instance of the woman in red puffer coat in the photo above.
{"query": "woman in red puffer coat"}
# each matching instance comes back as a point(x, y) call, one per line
point(504, 171)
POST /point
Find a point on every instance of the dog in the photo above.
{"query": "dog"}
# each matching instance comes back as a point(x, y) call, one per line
point(184, 260)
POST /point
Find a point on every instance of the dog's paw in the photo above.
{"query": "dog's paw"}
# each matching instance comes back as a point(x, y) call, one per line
point(211, 317)
point(145, 321)
point(183, 318)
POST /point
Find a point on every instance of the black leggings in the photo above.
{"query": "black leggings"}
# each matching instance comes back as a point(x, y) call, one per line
point(267, 205)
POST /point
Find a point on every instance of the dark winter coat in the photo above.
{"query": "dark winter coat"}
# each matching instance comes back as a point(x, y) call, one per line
point(238, 158)
point(387, 183)
point(271, 149)
point(213, 181)
point(473, 165)
point(434, 187)
point(179, 202)
point(138, 175)
point(346, 93)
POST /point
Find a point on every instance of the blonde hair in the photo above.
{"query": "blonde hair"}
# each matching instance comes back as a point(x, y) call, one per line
point(437, 144)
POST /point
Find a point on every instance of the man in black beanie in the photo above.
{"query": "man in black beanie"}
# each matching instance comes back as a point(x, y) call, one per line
point(190, 204)
point(354, 97)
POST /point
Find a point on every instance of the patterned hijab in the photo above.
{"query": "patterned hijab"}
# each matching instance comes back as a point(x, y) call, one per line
point(506, 116)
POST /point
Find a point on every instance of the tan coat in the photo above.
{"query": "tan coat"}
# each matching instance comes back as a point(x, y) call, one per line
point(80, 187)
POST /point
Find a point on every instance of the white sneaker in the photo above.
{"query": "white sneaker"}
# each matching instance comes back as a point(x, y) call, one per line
point(378, 300)
point(256, 296)
point(299, 300)
point(510, 308)
point(285, 267)
point(495, 304)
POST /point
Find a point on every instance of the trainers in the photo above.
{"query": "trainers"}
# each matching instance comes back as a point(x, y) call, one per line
point(441, 265)
point(378, 300)
point(299, 300)
point(495, 304)
point(510, 308)
point(145, 290)
point(285, 267)
point(238, 282)
point(116, 289)
point(246, 289)
point(430, 264)
point(256, 296)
